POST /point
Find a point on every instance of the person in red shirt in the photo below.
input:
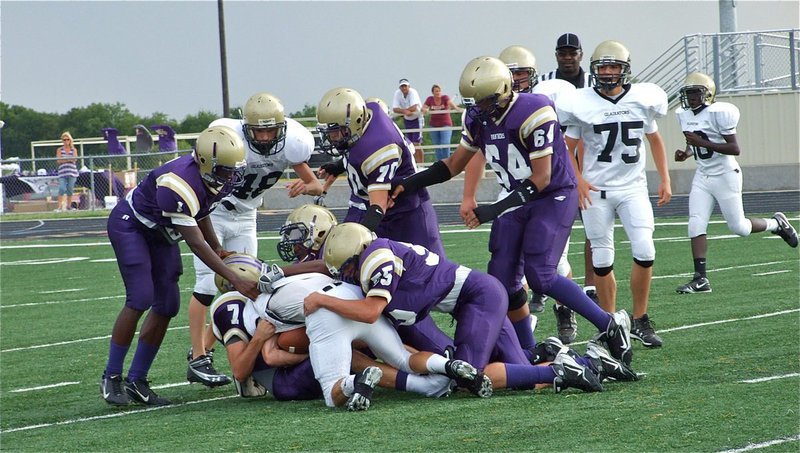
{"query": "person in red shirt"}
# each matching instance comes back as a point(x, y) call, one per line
point(438, 104)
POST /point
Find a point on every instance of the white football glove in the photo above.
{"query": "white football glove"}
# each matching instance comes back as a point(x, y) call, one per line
point(249, 388)
point(319, 200)
point(270, 274)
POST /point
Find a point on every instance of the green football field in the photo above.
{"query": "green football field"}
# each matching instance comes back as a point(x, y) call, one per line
point(727, 378)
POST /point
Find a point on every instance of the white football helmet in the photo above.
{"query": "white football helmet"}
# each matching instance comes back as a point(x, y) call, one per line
point(247, 267)
point(342, 113)
point(520, 61)
point(219, 152)
point(610, 53)
point(263, 113)
point(485, 87)
point(343, 247)
point(306, 228)
point(698, 89)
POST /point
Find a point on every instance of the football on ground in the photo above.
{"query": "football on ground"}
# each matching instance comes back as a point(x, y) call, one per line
point(294, 341)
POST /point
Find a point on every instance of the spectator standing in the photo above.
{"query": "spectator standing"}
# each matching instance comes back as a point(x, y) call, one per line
point(437, 103)
point(67, 171)
point(406, 102)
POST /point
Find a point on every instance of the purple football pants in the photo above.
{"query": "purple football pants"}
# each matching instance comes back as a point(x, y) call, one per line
point(149, 265)
point(296, 383)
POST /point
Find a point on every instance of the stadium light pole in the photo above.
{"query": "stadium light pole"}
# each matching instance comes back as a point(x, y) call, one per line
point(223, 60)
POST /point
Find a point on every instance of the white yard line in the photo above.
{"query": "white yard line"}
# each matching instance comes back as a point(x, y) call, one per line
point(769, 378)
point(69, 290)
point(81, 340)
point(772, 273)
point(765, 444)
point(115, 415)
point(43, 387)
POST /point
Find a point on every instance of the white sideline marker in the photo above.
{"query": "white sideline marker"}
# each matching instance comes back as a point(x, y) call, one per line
point(768, 443)
point(769, 378)
point(42, 387)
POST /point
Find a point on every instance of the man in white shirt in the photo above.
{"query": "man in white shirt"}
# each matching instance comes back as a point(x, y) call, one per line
point(407, 103)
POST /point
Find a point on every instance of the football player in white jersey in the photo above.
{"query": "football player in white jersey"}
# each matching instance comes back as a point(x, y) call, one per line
point(710, 130)
point(274, 143)
point(522, 64)
point(236, 319)
point(612, 119)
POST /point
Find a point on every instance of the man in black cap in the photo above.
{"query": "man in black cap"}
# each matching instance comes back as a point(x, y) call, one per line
point(568, 57)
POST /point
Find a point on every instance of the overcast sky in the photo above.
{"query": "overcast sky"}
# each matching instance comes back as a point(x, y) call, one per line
point(164, 56)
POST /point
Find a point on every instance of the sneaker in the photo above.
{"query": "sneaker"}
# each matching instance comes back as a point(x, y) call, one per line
point(202, 370)
point(643, 331)
point(364, 383)
point(607, 366)
point(591, 293)
point(617, 337)
point(785, 229)
point(468, 377)
point(697, 285)
point(139, 392)
point(565, 323)
point(111, 389)
point(536, 302)
point(570, 373)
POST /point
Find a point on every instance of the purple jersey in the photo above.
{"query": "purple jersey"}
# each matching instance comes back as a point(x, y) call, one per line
point(529, 129)
point(380, 156)
point(412, 279)
point(174, 194)
point(230, 322)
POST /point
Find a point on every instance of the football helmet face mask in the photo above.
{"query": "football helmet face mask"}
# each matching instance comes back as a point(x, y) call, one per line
point(219, 153)
point(343, 248)
point(485, 88)
point(698, 89)
point(264, 123)
point(610, 54)
point(342, 118)
point(246, 267)
point(522, 64)
point(304, 231)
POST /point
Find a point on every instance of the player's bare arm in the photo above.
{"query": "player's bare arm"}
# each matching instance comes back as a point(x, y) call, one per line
point(277, 357)
point(575, 157)
point(242, 354)
point(308, 184)
point(366, 310)
point(730, 147)
point(659, 153)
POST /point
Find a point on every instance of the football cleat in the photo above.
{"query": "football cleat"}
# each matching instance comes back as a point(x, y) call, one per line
point(697, 285)
point(570, 373)
point(364, 383)
point(468, 377)
point(785, 229)
point(202, 370)
point(617, 337)
point(643, 331)
point(591, 293)
point(607, 366)
point(111, 389)
point(565, 323)
point(139, 391)
point(536, 302)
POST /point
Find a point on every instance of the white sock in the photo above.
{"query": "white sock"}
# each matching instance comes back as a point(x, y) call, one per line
point(772, 225)
point(348, 385)
point(436, 364)
point(589, 288)
point(432, 385)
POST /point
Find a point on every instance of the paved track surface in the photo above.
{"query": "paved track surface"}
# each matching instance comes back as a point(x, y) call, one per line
point(270, 221)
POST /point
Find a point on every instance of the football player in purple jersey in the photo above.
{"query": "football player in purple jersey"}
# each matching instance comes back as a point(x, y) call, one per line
point(171, 204)
point(520, 136)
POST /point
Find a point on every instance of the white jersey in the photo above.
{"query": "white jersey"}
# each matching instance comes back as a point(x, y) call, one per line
point(554, 89)
point(284, 307)
point(262, 172)
point(711, 123)
point(613, 132)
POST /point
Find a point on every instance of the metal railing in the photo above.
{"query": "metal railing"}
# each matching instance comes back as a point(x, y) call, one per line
point(741, 61)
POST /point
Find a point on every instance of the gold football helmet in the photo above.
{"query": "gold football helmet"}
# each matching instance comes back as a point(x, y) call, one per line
point(264, 123)
point(610, 53)
point(219, 153)
point(342, 118)
point(485, 87)
point(343, 247)
point(380, 102)
point(520, 61)
point(698, 89)
point(305, 229)
point(247, 267)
